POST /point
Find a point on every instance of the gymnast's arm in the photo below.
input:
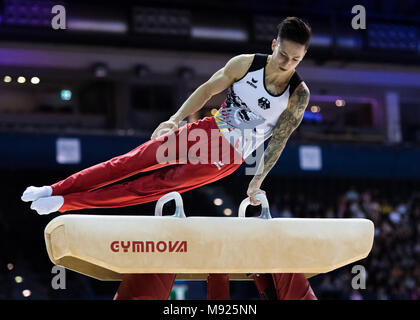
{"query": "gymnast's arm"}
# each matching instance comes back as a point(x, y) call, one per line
point(234, 69)
point(288, 121)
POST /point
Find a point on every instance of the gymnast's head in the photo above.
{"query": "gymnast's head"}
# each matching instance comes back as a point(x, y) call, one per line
point(291, 44)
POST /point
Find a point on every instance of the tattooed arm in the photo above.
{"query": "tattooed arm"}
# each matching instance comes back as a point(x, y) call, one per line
point(288, 121)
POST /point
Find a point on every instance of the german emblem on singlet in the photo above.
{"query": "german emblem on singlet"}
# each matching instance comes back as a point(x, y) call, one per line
point(264, 103)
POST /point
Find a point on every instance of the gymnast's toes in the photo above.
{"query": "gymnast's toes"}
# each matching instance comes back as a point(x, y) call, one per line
point(48, 204)
point(34, 193)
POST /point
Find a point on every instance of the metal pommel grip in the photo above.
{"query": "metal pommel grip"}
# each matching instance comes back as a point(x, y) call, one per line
point(179, 209)
point(265, 212)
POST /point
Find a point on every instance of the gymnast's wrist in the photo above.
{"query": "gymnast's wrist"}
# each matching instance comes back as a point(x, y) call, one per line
point(175, 119)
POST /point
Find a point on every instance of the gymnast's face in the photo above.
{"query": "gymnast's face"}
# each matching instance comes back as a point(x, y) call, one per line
point(287, 54)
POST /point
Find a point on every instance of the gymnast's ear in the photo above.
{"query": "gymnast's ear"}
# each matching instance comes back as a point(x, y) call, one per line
point(273, 44)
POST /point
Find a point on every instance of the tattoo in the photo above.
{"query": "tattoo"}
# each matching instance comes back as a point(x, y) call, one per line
point(288, 121)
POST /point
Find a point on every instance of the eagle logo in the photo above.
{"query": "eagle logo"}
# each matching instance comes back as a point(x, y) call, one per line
point(264, 103)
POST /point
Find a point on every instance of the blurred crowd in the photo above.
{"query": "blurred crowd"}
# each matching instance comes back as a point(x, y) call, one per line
point(391, 268)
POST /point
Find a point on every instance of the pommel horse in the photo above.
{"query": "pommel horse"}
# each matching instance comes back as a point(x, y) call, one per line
point(107, 247)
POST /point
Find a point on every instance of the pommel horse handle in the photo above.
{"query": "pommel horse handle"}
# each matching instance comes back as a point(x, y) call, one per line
point(265, 212)
point(179, 209)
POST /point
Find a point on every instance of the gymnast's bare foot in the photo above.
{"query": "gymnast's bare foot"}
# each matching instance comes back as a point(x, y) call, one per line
point(34, 193)
point(48, 204)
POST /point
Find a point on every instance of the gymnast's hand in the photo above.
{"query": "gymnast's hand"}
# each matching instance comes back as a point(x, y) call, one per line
point(164, 128)
point(252, 192)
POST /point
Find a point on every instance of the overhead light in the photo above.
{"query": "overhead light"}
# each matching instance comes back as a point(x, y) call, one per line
point(21, 79)
point(315, 109)
point(18, 279)
point(227, 212)
point(26, 293)
point(218, 202)
point(340, 103)
point(7, 79)
point(65, 95)
point(35, 80)
point(10, 266)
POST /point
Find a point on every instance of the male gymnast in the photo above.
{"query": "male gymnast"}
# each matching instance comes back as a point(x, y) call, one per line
point(266, 98)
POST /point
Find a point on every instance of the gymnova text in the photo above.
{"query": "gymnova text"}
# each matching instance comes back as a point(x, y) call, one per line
point(148, 246)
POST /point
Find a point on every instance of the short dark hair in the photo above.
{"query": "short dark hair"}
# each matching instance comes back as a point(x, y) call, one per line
point(295, 29)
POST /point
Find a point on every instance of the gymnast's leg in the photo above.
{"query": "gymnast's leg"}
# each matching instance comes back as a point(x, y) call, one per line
point(218, 286)
point(180, 178)
point(293, 286)
point(155, 286)
point(265, 286)
point(140, 159)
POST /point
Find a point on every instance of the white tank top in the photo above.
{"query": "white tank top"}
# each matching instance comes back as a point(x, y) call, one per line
point(249, 114)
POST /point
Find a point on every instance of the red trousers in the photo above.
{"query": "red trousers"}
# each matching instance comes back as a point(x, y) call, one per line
point(278, 286)
point(180, 173)
point(88, 189)
point(284, 286)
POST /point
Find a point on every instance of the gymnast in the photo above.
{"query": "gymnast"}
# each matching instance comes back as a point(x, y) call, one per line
point(266, 99)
